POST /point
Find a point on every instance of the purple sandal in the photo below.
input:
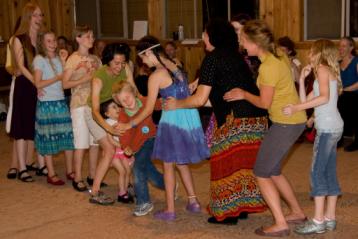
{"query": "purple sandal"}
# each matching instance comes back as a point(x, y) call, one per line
point(193, 207)
point(165, 216)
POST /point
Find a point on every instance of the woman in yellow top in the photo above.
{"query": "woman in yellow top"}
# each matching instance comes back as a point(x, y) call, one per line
point(276, 90)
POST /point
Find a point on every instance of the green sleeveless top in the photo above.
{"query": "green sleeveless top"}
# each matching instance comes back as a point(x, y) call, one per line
point(107, 82)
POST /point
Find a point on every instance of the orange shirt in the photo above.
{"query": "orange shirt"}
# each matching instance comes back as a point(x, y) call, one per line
point(134, 138)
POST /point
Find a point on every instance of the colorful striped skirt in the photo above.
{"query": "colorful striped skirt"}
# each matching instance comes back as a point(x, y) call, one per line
point(234, 147)
point(53, 127)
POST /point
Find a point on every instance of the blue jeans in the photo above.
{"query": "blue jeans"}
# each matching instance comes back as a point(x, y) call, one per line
point(145, 171)
point(324, 180)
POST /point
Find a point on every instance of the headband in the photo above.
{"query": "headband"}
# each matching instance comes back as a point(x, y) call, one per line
point(149, 48)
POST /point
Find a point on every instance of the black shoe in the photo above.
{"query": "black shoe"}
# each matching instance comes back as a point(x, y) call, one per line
point(42, 171)
point(32, 167)
point(79, 186)
point(352, 147)
point(12, 173)
point(90, 182)
point(26, 179)
point(126, 198)
point(243, 215)
point(226, 221)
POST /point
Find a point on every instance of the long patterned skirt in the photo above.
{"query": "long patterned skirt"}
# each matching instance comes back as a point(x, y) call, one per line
point(233, 187)
point(53, 127)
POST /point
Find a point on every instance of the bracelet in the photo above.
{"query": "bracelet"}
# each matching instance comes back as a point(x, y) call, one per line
point(133, 125)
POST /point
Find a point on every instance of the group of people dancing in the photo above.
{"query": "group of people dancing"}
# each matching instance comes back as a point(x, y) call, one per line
point(244, 77)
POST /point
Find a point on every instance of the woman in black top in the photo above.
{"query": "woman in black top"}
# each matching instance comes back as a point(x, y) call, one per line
point(238, 130)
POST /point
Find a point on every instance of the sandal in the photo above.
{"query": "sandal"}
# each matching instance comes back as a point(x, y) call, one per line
point(58, 182)
point(12, 173)
point(42, 171)
point(26, 179)
point(32, 167)
point(79, 186)
point(70, 176)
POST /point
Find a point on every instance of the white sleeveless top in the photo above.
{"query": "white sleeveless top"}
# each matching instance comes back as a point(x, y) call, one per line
point(327, 117)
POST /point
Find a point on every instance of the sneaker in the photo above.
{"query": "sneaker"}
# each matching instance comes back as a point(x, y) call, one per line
point(310, 227)
point(330, 224)
point(101, 199)
point(143, 209)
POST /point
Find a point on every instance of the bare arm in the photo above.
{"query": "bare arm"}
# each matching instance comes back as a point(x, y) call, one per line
point(153, 90)
point(19, 57)
point(197, 100)
point(40, 83)
point(264, 100)
point(323, 77)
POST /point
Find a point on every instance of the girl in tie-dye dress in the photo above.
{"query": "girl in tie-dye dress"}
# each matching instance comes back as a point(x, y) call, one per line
point(180, 139)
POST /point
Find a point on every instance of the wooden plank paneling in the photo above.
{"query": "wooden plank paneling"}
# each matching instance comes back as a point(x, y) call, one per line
point(155, 17)
point(58, 15)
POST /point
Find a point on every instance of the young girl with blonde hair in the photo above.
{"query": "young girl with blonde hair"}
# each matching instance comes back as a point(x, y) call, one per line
point(329, 125)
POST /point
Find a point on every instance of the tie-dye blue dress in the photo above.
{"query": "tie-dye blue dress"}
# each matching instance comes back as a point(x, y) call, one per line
point(180, 137)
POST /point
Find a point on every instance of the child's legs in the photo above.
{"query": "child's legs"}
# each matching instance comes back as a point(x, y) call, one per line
point(100, 135)
point(30, 152)
point(333, 185)
point(331, 207)
point(154, 176)
point(21, 151)
point(128, 171)
point(14, 163)
point(92, 160)
point(49, 165)
point(187, 178)
point(78, 158)
point(142, 157)
point(69, 161)
point(102, 168)
point(80, 139)
point(319, 208)
point(323, 172)
point(331, 170)
point(117, 164)
point(169, 179)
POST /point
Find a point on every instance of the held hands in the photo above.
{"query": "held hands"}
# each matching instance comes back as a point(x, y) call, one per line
point(234, 94)
point(170, 104)
point(121, 128)
point(289, 110)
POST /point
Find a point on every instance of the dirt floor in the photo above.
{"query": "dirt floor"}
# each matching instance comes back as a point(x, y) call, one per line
point(38, 210)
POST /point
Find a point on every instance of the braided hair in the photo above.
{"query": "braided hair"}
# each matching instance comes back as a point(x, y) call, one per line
point(153, 44)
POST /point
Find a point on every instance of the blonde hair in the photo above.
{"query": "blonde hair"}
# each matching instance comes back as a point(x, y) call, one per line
point(259, 33)
point(123, 86)
point(325, 52)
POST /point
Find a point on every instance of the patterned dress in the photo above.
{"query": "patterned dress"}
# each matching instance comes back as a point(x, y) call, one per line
point(234, 135)
point(180, 137)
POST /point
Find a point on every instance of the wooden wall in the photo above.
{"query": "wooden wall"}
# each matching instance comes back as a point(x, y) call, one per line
point(59, 15)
